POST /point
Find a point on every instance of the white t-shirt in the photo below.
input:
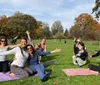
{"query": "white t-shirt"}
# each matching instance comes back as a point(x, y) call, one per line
point(3, 57)
point(20, 58)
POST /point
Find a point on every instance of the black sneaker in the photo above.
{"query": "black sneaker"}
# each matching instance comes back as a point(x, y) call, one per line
point(45, 78)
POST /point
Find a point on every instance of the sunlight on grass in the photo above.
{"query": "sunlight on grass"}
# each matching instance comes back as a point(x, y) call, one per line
point(60, 61)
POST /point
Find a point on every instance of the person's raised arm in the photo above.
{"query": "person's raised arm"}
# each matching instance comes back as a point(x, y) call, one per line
point(13, 51)
point(12, 46)
point(95, 54)
point(28, 35)
point(56, 50)
point(50, 52)
point(29, 38)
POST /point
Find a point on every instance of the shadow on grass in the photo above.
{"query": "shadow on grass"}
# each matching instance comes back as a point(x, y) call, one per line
point(48, 70)
point(95, 61)
point(52, 77)
point(49, 57)
point(50, 62)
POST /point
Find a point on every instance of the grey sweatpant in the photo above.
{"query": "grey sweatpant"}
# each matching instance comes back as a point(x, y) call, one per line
point(78, 61)
point(21, 71)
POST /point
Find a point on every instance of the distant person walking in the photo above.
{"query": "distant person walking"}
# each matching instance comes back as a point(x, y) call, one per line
point(65, 41)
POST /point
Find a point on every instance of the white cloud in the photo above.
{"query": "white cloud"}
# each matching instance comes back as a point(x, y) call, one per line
point(49, 10)
point(67, 16)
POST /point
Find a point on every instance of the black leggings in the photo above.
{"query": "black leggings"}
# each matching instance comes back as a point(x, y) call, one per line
point(94, 68)
point(4, 66)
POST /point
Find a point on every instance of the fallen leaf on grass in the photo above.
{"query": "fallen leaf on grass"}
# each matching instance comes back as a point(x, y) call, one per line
point(55, 82)
point(94, 83)
point(68, 78)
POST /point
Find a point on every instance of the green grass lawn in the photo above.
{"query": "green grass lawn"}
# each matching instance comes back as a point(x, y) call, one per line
point(62, 60)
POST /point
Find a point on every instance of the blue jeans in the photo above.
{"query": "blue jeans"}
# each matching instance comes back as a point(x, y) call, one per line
point(39, 68)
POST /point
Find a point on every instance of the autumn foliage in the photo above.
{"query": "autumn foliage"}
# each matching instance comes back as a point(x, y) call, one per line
point(85, 27)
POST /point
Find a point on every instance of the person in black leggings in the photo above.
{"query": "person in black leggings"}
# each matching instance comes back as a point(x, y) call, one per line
point(94, 67)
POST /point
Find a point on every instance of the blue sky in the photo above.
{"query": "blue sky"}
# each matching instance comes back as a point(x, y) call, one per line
point(49, 10)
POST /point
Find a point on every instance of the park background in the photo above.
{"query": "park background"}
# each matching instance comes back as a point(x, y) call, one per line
point(61, 61)
point(85, 26)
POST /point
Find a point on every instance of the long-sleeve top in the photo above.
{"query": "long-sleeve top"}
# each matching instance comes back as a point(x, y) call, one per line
point(33, 60)
point(76, 49)
point(83, 55)
point(21, 56)
point(96, 54)
point(30, 41)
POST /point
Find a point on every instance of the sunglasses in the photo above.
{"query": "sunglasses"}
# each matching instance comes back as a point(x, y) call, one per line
point(29, 48)
point(3, 41)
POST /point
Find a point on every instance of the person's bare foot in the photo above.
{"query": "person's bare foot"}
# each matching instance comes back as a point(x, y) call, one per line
point(12, 74)
point(97, 73)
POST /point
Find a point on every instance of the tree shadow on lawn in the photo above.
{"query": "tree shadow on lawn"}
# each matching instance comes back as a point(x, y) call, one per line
point(71, 65)
point(49, 57)
point(52, 77)
point(50, 62)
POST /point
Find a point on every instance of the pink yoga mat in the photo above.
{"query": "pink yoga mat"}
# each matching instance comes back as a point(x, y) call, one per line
point(79, 71)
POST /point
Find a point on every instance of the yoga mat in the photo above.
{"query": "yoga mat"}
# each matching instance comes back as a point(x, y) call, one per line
point(6, 77)
point(79, 71)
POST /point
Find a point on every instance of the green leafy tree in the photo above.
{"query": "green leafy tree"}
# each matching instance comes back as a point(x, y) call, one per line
point(39, 30)
point(66, 33)
point(19, 23)
point(96, 9)
point(59, 36)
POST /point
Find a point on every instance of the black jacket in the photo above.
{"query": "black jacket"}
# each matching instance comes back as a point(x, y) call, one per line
point(96, 54)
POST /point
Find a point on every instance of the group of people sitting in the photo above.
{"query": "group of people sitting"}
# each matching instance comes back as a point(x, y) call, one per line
point(80, 57)
point(24, 51)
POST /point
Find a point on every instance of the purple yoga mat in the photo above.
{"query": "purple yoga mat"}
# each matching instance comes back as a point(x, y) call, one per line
point(6, 77)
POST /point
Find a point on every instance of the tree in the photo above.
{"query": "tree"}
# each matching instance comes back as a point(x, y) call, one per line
point(39, 29)
point(46, 33)
point(57, 27)
point(84, 27)
point(75, 31)
point(96, 9)
point(19, 23)
point(3, 22)
point(97, 34)
point(59, 36)
point(66, 33)
point(3, 16)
